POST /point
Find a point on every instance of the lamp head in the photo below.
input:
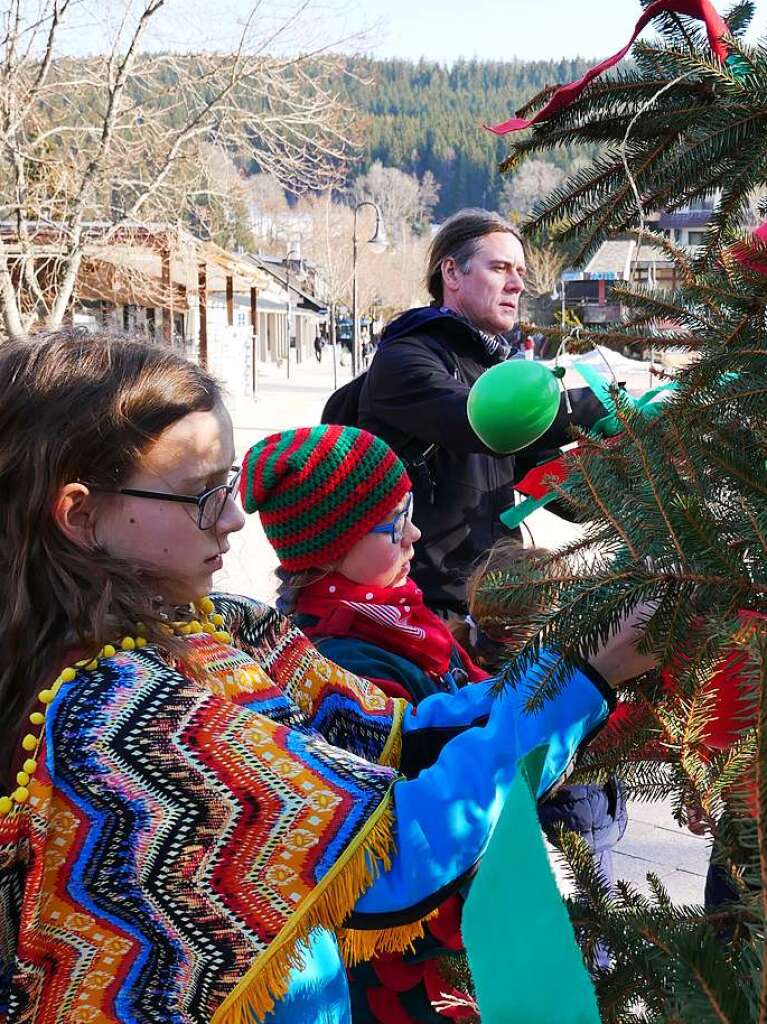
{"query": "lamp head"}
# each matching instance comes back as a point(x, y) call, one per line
point(379, 241)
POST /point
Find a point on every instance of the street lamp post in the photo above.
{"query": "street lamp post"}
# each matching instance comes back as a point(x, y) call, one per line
point(296, 252)
point(377, 243)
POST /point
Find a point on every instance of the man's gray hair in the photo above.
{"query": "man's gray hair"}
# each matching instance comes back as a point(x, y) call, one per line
point(458, 238)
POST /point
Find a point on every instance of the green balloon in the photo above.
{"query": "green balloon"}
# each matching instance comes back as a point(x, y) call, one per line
point(512, 404)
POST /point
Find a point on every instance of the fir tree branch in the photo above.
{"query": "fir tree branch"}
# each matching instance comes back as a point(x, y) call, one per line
point(642, 453)
point(760, 535)
point(759, 641)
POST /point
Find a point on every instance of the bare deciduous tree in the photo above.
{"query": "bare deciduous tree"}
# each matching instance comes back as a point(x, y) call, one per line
point(405, 203)
point(544, 269)
point(392, 280)
point(128, 137)
point(269, 210)
point(534, 180)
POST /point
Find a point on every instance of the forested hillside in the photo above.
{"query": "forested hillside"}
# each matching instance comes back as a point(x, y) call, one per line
point(426, 117)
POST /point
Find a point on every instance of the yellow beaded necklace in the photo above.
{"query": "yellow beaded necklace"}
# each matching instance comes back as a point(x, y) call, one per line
point(209, 621)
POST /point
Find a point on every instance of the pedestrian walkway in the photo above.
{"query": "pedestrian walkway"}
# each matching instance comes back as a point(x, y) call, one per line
point(653, 841)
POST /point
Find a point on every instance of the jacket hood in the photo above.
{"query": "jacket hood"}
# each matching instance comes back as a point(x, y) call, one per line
point(413, 321)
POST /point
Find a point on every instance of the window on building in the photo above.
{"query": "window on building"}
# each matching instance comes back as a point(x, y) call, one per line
point(696, 238)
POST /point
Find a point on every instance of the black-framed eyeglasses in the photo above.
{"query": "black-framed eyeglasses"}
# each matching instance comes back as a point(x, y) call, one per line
point(396, 527)
point(210, 503)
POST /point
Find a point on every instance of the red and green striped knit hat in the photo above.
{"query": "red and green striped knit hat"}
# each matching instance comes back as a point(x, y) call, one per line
point(318, 490)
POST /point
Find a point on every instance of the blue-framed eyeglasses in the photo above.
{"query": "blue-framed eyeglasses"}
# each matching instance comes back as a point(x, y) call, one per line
point(396, 527)
point(210, 503)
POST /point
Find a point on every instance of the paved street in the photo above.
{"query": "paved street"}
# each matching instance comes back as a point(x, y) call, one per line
point(653, 842)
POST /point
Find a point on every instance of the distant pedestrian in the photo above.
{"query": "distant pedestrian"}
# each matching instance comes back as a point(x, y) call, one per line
point(318, 343)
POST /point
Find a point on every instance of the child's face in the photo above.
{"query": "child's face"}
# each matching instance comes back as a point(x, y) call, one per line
point(375, 560)
point(191, 456)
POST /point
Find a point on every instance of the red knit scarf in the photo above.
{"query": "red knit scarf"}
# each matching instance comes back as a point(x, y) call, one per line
point(394, 618)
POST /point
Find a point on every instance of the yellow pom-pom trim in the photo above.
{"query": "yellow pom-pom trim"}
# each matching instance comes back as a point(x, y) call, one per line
point(209, 622)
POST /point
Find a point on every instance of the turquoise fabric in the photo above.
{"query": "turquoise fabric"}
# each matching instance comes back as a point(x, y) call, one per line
point(373, 662)
point(318, 992)
point(526, 965)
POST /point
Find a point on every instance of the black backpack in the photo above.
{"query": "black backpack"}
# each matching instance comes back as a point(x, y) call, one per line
point(343, 406)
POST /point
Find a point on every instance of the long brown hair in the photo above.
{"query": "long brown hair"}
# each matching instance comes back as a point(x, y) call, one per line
point(503, 632)
point(74, 406)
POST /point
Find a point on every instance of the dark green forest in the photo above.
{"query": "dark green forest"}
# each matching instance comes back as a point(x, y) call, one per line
point(427, 117)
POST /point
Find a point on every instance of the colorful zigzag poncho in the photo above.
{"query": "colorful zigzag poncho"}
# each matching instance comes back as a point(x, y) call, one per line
point(210, 839)
point(190, 825)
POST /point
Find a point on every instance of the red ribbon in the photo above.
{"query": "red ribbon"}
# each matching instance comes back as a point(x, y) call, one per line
point(564, 96)
point(752, 253)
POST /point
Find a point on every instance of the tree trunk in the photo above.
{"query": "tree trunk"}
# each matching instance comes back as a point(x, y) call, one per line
point(65, 291)
point(9, 301)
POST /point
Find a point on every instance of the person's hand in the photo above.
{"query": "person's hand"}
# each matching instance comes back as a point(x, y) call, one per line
point(695, 815)
point(619, 659)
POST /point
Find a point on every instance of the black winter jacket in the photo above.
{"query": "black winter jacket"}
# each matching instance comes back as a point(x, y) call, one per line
point(414, 397)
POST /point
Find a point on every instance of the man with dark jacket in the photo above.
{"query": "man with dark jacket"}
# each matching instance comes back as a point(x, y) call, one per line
point(415, 394)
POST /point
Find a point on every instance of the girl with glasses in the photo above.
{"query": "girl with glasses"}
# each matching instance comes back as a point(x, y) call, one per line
point(202, 818)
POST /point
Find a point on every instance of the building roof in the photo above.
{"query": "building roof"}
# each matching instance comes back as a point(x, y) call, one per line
point(130, 255)
point(616, 256)
point(685, 219)
point(270, 266)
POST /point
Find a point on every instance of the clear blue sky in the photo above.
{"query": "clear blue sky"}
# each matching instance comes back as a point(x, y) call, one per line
point(448, 29)
point(443, 30)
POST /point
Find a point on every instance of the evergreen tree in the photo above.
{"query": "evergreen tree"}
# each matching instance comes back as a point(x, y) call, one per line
point(425, 117)
point(675, 517)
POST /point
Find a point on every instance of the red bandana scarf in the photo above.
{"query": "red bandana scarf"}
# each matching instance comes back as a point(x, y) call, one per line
point(394, 618)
